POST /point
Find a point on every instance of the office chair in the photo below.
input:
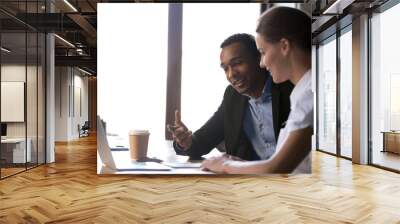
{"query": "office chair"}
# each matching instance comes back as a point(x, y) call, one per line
point(84, 130)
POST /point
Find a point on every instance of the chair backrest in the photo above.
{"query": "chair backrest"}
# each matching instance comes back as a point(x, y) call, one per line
point(86, 125)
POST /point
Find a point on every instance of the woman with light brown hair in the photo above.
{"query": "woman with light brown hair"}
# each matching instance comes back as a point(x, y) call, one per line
point(284, 41)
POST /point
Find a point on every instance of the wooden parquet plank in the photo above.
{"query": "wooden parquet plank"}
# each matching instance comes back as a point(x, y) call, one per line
point(70, 191)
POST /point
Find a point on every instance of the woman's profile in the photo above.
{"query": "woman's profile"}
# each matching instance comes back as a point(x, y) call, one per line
point(284, 41)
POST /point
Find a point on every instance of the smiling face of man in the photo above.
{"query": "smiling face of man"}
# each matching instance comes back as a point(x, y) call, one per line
point(241, 68)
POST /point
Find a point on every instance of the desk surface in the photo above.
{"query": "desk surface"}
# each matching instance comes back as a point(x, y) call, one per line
point(13, 140)
point(162, 150)
point(390, 132)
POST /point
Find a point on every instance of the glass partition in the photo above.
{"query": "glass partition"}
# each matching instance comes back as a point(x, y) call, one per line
point(327, 95)
point(13, 109)
point(31, 100)
point(41, 109)
point(346, 93)
point(385, 89)
point(22, 91)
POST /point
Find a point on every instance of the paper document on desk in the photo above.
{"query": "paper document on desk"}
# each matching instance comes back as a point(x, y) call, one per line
point(141, 166)
point(182, 165)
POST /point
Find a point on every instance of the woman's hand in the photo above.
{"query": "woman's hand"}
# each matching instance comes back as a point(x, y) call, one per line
point(217, 164)
point(234, 158)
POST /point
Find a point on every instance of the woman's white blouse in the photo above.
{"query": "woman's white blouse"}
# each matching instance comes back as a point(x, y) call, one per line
point(300, 116)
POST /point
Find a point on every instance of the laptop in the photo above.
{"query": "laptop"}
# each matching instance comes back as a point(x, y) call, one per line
point(126, 165)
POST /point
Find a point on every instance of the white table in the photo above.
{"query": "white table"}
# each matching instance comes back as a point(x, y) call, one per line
point(162, 150)
point(19, 155)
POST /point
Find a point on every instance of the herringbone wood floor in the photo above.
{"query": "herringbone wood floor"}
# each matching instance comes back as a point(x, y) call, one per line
point(69, 191)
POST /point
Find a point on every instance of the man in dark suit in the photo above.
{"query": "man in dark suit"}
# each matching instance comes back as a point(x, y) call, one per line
point(251, 114)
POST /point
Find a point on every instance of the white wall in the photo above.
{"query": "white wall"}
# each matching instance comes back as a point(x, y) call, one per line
point(81, 83)
point(61, 103)
point(70, 83)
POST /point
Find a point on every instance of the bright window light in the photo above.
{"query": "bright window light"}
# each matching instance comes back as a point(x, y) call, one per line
point(132, 67)
point(346, 75)
point(205, 27)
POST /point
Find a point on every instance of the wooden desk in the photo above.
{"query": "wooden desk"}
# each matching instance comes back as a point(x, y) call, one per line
point(391, 141)
point(162, 150)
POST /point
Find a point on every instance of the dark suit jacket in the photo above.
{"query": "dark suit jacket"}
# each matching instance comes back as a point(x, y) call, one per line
point(226, 124)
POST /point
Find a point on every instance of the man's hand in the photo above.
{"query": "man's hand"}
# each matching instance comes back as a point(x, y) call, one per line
point(180, 132)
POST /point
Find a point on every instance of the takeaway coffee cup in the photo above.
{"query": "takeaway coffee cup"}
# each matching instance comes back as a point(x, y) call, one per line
point(138, 141)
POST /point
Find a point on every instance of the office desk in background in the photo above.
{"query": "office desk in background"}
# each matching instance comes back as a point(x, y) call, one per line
point(13, 150)
point(162, 150)
point(391, 141)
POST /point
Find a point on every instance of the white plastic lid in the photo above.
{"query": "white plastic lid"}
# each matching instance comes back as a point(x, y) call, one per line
point(139, 132)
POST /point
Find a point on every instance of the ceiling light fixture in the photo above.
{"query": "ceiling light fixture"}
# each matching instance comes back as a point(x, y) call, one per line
point(338, 6)
point(64, 40)
point(5, 50)
point(84, 71)
point(80, 51)
point(70, 5)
